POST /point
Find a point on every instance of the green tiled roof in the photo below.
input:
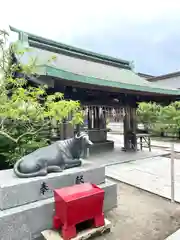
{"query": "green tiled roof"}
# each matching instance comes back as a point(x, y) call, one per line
point(59, 73)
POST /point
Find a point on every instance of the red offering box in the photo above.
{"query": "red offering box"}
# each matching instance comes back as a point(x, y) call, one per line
point(76, 204)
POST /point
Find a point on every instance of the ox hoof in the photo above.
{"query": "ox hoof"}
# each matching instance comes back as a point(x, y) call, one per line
point(54, 169)
point(43, 172)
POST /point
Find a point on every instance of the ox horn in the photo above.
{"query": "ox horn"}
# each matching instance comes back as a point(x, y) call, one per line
point(80, 135)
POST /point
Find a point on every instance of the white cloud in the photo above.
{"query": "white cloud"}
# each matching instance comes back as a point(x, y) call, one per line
point(129, 29)
point(65, 19)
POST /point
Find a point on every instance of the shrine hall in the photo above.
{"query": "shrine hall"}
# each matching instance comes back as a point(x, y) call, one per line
point(101, 83)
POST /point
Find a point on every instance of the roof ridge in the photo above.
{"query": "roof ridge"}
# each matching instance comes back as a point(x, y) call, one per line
point(164, 76)
point(77, 50)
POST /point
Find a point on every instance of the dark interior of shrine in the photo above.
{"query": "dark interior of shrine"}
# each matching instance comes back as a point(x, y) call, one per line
point(115, 97)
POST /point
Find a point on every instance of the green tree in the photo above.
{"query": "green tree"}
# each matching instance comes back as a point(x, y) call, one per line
point(160, 118)
point(26, 110)
point(148, 113)
point(169, 118)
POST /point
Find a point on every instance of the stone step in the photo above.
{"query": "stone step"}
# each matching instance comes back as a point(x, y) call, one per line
point(19, 191)
point(28, 221)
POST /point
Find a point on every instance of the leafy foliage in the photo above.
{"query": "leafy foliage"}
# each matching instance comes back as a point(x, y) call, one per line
point(170, 118)
point(160, 118)
point(26, 110)
point(148, 114)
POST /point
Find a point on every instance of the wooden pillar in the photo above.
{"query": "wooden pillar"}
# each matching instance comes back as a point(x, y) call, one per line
point(104, 118)
point(96, 117)
point(89, 118)
point(126, 127)
point(130, 125)
point(77, 128)
point(64, 129)
point(133, 127)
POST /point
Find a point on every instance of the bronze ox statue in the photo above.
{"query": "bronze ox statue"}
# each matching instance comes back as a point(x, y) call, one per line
point(56, 157)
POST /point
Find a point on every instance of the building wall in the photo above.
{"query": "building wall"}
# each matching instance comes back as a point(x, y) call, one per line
point(173, 82)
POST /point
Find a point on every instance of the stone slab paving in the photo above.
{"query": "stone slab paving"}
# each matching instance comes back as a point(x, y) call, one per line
point(118, 138)
point(165, 144)
point(118, 156)
point(174, 236)
point(151, 174)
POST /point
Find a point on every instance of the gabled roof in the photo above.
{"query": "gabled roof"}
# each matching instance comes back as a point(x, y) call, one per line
point(165, 76)
point(81, 66)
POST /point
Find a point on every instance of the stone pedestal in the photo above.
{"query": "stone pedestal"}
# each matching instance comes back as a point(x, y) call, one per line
point(19, 191)
point(26, 212)
point(100, 147)
point(100, 142)
point(98, 135)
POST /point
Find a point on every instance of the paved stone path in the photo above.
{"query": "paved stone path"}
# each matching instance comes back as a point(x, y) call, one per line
point(161, 144)
point(174, 236)
point(151, 174)
point(118, 156)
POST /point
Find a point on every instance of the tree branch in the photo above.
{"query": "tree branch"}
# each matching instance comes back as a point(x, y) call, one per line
point(21, 136)
point(30, 133)
point(2, 123)
point(8, 136)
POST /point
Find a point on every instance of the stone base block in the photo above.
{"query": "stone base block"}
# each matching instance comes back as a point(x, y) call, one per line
point(83, 235)
point(28, 221)
point(99, 147)
point(19, 191)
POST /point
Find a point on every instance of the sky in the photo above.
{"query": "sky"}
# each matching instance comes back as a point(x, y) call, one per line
point(146, 32)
